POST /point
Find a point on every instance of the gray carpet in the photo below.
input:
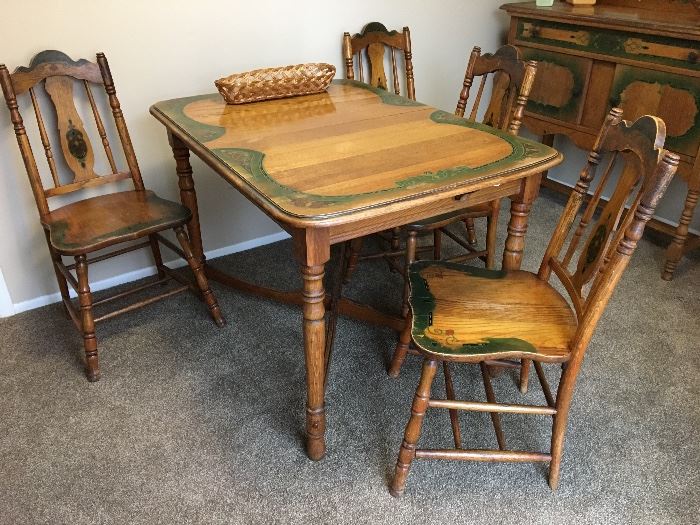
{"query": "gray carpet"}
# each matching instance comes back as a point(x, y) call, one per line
point(194, 424)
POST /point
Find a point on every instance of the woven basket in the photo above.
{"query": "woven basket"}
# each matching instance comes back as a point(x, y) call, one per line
point(275, 82)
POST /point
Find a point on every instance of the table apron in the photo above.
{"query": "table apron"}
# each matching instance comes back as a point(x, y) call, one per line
point(360, 228)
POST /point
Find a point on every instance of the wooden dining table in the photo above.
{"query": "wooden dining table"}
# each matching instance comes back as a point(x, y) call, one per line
point(334, 166)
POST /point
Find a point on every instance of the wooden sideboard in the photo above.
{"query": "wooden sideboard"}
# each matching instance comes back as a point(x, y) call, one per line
point(643, 56)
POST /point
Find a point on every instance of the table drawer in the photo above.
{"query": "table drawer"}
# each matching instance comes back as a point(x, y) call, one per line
point(633, 46)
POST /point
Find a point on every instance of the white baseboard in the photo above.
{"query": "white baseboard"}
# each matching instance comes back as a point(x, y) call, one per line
point(7, 308)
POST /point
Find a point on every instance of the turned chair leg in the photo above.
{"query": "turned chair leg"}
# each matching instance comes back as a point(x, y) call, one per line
point(454, 414)
point(401, 348)
point(491, 231)
point(437, 244)
point(563, 403)
point(405, 335)
point(157, 257)
point(524, 375)
point(411, 242)
point(413, 428)
point(491, 398)
point(395, 238)
point(353, 257)
point(200, 277)
point(87, 321)
point(60, 278)
point(471, 231)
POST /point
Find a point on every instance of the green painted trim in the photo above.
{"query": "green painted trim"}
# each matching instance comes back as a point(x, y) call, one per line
point(49, 56)
point(387, 97)
point(423, 305)
point(610, 42)
point(376, 27)
point(250, 162)
point(175, 110)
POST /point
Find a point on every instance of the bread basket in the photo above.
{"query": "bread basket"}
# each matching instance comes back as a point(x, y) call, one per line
point(275, 82)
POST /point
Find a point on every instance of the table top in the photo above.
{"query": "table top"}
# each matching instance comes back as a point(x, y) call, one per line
point(352, 150)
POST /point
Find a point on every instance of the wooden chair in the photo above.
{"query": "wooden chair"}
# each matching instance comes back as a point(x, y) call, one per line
point(373, 44)
point(512, 79)
point(94, 223)
point(464, 314)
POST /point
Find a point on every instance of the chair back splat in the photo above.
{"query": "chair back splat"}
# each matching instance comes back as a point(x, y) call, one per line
point(55, 77)
point(512, 80)
point(591, 247)
point(372, 45)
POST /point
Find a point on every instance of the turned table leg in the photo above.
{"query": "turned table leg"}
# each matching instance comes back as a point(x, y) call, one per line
point(313, 251)
point(517, 226)
point(188, 196)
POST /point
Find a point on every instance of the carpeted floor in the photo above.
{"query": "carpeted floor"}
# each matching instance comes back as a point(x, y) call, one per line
point(195, 424)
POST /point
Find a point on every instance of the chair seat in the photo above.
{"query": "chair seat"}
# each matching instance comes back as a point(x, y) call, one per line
point(102, 221)
point(440, 221)
point(464, 313)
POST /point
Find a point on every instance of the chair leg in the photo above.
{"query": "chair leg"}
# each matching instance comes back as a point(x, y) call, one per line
point(395, 238)
point(471, 231)
point(491, 231)
point(353, 257)
point(413, 428)
point(437, 244)
point(563, 402)
point(405, 336)
point(410, 258)
point(157, 257)
point(87, 322)
point(524, 375)
point(62, 283)
point(200, 277)
point(401, 348)
point(491, 398)
point(454, 415)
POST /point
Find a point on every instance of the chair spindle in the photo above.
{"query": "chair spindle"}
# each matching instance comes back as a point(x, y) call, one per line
point(100, 127)
point(45, 139)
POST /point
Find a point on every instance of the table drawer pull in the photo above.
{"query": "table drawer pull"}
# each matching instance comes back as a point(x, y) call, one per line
point(463, 196)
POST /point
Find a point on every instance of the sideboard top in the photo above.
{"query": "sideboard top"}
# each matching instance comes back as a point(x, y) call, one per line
point(656, 21)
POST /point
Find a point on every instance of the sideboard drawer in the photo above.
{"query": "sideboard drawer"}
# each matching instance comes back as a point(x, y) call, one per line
point(560, 84)
point(639, 47)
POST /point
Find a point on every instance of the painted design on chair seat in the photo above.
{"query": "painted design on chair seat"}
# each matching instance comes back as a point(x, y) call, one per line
point(444, 340)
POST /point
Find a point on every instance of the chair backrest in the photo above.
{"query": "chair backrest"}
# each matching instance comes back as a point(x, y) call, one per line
point(598, 249)
point(512, 82)
point(373, 42)
point(53, 75)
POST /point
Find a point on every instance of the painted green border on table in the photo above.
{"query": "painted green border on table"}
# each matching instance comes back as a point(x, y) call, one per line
point(249, 164)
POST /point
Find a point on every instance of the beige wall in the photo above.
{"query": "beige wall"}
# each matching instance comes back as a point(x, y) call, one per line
point(164, 49)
